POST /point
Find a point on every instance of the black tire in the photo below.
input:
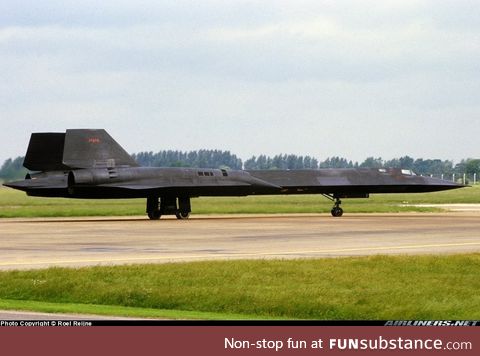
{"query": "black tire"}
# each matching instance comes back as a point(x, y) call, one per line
point(182, 215)
point(337, 212)
point(154, 215)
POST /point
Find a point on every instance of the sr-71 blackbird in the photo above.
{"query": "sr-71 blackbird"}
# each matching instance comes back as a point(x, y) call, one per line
point(84, 163)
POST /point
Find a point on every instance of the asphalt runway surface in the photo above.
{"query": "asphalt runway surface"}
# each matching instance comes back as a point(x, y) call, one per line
point(73, 242)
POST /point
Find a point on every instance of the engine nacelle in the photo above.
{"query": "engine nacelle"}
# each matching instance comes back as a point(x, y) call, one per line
point(95, 176)
point(88, 177)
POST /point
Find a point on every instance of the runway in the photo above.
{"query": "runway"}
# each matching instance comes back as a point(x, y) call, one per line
point(41, 243)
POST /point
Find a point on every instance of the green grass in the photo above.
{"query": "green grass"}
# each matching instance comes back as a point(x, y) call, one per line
point(379, 287)
point(115, 310)
point(17, 204)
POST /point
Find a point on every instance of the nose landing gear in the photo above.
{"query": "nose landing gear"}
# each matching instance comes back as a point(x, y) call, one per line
point(336, 210)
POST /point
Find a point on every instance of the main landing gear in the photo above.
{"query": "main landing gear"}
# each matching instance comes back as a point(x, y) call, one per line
point(336, 210)
point(180, 207)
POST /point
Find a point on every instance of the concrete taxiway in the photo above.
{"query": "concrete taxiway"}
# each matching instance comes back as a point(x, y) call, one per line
point(40, 243)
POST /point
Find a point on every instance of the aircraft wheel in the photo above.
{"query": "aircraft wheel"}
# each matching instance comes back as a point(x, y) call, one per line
point(182, 215)
point(154, 215)
point(337, 211)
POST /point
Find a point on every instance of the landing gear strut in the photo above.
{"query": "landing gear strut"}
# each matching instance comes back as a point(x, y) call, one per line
point(336, 210)
point(157, 207)
point(153, 208)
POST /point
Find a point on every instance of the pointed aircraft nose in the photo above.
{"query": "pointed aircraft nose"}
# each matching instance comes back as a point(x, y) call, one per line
point(444, 184)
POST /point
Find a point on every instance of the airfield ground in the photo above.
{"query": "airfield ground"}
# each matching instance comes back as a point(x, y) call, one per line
point(248, 266)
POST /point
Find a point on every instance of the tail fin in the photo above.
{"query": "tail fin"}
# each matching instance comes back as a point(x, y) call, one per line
point(75, 149)
point(45, 152)
point(94, 148)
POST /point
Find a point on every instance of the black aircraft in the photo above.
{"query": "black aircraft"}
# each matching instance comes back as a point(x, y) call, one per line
point(91, 164)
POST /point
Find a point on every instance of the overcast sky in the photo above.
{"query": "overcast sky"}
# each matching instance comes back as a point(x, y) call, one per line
point(323, 78)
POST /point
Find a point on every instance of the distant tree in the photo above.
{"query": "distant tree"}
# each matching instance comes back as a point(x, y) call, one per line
point(292, 162)
point(372, 162)
point(336, 162)
point(310, 163)
point(405, 162)
point(251, 163)
point(432, 166)
point(472, 166)
point(282, 161)
point(13, 169)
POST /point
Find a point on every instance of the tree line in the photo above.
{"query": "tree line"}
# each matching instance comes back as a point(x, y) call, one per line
point(13, 168)
point(197, 159)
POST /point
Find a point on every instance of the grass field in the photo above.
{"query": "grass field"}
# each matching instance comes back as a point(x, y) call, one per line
point(379, 287)
point(17, 204)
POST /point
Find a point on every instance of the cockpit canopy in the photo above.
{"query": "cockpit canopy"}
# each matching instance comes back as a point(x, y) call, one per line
point(405, 172)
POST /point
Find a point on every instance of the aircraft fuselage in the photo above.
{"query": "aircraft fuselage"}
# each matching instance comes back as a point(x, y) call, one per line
point(83, 163)
point(141, 182)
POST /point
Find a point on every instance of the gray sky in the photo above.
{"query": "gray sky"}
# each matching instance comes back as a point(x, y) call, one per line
point(323, 78)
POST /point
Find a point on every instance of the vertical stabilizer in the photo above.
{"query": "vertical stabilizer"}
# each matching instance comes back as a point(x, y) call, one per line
point(94, 148)
point(45, 152)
